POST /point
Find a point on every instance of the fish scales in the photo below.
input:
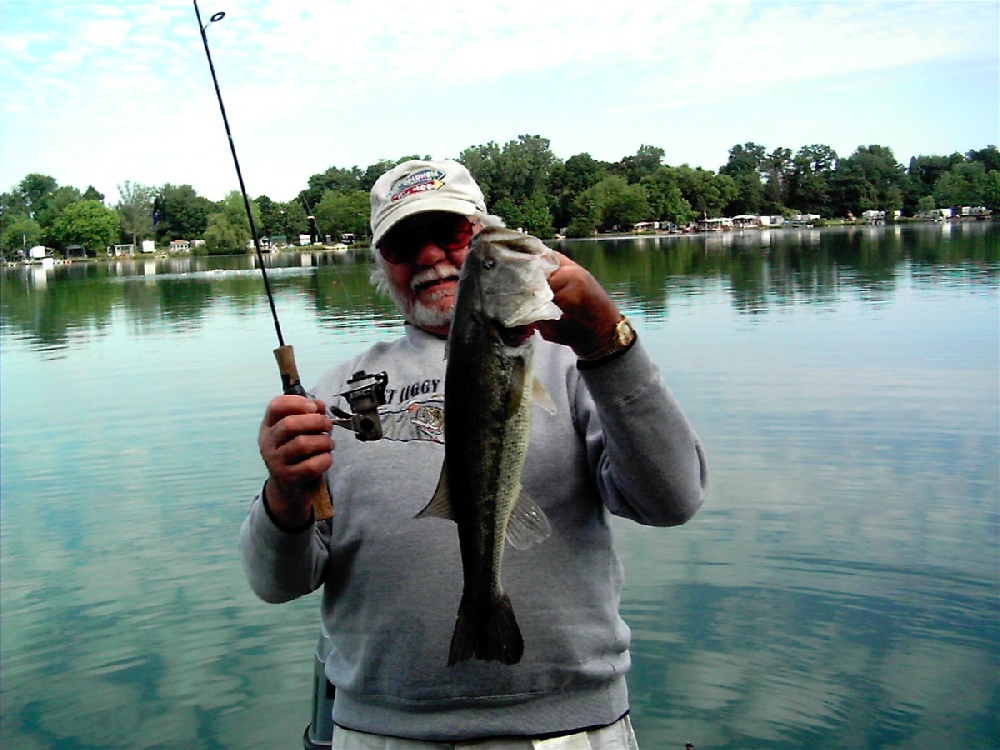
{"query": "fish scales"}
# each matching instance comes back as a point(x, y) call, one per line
point(503, 291)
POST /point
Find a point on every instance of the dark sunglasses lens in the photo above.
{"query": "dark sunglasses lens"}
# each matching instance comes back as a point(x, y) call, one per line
point(454, 234)
point(392, 250)
point(449, 232)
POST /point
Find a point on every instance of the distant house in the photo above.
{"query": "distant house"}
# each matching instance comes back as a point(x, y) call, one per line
point(873, 215)
point(180, 246)
point(119, 250)
point(715, 225)
point(772, 221)
point(746, 221)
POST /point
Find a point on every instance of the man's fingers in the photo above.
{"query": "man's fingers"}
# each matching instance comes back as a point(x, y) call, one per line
point(285, 406)
point(296, 425)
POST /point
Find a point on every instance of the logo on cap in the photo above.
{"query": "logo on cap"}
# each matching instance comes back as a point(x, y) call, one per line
point(418, 182)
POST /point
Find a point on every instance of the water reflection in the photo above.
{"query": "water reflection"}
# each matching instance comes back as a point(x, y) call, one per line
point(838, 590)
point(763, 269)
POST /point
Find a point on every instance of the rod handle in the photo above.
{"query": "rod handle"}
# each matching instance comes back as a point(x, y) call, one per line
point(292, 385)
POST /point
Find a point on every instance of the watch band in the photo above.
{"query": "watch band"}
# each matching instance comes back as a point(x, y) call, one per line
point(622, 338)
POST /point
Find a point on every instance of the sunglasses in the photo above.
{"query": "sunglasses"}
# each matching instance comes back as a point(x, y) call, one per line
point(450, 232)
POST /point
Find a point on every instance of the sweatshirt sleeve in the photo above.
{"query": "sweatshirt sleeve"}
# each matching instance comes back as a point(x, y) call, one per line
point(649, 464)
point(281, 565)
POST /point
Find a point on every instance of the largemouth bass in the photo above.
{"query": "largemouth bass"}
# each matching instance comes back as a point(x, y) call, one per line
point(503, 291)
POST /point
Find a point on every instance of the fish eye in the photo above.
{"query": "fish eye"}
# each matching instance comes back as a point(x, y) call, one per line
point(489, 264)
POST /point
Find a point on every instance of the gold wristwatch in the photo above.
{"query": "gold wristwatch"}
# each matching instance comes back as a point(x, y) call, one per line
point(623, 338)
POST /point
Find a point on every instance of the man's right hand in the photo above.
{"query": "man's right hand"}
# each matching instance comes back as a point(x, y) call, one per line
point(296, 446)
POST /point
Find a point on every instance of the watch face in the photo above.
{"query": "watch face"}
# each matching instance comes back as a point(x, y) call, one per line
point(624, 332)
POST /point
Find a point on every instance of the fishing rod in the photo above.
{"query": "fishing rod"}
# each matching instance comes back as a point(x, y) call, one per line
point(369, 393)
point(290, 381)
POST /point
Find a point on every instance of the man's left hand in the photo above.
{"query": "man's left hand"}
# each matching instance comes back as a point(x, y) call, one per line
point(589, 313)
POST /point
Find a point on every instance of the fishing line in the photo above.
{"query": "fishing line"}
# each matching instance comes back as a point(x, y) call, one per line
point(367, 392)
point(239, 173)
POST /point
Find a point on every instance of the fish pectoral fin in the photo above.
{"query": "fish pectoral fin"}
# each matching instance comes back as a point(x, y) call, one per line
point(527, 524)
point(542, 397)
point(440, 504)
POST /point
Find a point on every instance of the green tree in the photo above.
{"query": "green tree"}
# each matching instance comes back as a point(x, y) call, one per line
point(228, 231)
point(989, 156)
point(643, 163)
point(18, 232)
point(294, 220)
point(777, 187)
point(93, 194)
point(222, 237)
point(993, 189)
point(613, 203)
point(585, 215)
point(135, 206)
point(335, 178)
point(184, 214)
point(531, 214)
point(516, 172)
point(746, 165)
point(52, 207)
point(706, 192)
point(666, 201)
point(965, 184)
point(87, 223)
point(338, 213)
point(870, 178)
point(281, 219)
point(809, 182)
point(32, 192)
point(483, 162)
point(922, 175)
point(569, 179)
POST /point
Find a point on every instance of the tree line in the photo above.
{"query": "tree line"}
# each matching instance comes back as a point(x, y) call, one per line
point(523, 182)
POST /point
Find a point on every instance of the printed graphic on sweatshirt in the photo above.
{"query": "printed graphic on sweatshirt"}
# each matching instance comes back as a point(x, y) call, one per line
point(416, 420)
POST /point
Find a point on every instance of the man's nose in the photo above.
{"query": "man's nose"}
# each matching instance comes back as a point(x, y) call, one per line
point(429, 254)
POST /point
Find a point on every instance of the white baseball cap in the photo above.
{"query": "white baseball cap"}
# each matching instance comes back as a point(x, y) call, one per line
point(416, 186)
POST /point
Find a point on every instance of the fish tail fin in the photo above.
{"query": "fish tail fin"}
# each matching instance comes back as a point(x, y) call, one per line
point(488, 632)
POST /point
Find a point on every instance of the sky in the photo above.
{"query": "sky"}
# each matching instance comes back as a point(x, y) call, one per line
point(100, 93)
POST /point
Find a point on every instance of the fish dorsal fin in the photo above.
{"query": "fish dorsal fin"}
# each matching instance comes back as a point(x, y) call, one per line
point(440, 504)
point(527, 524)
point(542, 397)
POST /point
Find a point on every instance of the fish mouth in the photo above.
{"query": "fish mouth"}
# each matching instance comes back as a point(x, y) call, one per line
point(516, 336)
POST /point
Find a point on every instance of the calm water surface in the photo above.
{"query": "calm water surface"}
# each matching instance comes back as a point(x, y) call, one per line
point(839, 589)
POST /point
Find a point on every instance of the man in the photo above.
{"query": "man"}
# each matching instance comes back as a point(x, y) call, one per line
point(618, 442)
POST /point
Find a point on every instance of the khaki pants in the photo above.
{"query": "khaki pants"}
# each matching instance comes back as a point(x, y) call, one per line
point(617, 736)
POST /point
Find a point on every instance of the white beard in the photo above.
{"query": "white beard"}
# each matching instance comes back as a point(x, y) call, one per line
point(416, 311)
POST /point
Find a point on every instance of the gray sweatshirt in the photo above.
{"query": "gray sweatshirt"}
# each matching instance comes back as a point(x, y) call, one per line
point(618, 442)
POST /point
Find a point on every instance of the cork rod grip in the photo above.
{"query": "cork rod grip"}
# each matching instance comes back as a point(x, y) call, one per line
point(292, 385)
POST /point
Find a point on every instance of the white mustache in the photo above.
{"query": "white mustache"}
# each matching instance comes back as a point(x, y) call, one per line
point(440, 272)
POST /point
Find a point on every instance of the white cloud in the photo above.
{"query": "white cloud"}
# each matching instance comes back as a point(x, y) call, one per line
point(309, 84)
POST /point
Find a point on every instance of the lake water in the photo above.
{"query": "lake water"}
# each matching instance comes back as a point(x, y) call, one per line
point(839, 589)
